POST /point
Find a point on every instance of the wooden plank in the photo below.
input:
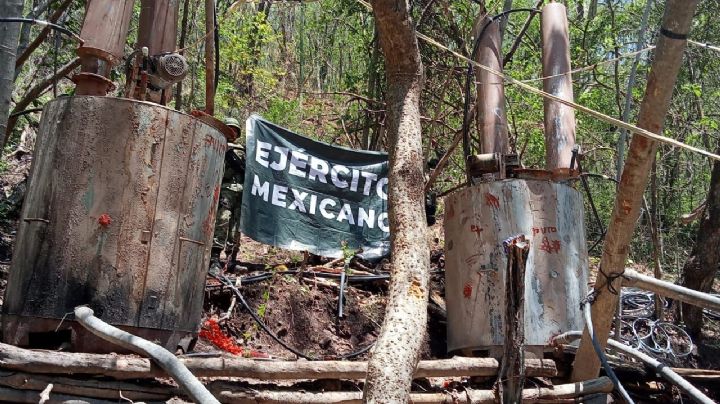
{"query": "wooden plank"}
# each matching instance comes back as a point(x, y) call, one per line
point(654, 107)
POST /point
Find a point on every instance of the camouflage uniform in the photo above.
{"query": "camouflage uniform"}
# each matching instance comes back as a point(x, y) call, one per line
point(227, 222)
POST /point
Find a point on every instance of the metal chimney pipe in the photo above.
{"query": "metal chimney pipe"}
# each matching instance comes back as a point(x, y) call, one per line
point(105, 31)
point(491, 116)
point(559, 119)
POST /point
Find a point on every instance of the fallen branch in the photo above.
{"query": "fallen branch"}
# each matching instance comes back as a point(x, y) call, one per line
point(162, 356)
point(571, 390)
point(133, 367)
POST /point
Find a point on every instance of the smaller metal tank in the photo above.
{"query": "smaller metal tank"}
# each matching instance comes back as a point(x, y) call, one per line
point(477, 221)
point(119, 215)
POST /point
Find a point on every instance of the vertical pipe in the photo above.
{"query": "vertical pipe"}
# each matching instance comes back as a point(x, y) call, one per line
point(209, 57)
point(105, 31)
point(559, 119)
point(158, 25)
point(492, 120)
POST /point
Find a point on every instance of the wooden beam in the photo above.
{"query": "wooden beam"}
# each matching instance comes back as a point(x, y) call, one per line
point(132, 367)
point(661, 80)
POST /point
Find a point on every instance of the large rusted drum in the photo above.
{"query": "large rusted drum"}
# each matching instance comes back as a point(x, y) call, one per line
point(119, 216)
point(477, 221)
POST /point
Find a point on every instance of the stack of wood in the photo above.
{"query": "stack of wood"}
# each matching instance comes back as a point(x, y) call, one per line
point(29, 376)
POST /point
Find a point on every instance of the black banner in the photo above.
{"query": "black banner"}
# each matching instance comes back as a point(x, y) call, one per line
point(306, 195)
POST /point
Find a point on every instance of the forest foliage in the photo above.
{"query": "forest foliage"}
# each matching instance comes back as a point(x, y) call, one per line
point(316, 68)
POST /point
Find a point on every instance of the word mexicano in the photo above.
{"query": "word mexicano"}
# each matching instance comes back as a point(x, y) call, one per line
point(315, 169)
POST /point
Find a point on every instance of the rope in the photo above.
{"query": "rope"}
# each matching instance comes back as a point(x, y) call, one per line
point(592, 66)
point(704, 45)
point(599, 115)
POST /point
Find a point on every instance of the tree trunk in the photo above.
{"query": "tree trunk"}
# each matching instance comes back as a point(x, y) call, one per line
point(661, 80)
point(8, 45)
point(700, 269)
point(397, 351)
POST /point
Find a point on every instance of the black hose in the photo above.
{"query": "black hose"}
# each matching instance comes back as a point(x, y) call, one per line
point(274, 336)
point(56, 27)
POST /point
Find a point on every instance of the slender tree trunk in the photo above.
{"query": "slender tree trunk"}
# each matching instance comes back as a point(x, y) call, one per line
point(397, 351)
point(181, 45)
point(661, 80)
point(620, 154)
point(700, 269)
point(8, 45)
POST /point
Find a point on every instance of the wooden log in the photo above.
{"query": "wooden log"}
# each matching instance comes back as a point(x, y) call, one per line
point(130, 367)
point(563, 391)
point(661, 80)
point(511, 377)
point(89, 387)
point(667, 289)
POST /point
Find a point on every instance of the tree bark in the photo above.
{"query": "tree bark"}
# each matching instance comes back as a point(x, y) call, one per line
point(702, 265)
point(8, 45)
point(397, 351)
point(661, 80)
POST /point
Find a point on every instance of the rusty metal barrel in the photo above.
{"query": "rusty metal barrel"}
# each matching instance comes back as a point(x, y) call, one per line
point(477, 221)
point(119, 216)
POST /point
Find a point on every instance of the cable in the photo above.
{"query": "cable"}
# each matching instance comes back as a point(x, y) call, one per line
point(274, 336)
point(43, 23)
point(601, 355)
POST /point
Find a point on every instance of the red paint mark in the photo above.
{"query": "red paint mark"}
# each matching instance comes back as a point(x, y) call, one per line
point(476, 229)
point(467, 290)
point(472, 260)
point(550, 246)
point(544, 230)
point(492, 200)
point(211, 331)
point(215, 144)
point(626, 207)
point(104, 220)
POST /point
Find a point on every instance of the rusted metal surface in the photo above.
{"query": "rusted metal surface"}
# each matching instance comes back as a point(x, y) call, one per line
point(491, 117)
point(122, 184)
point(104, 31)
point(158, 25)
point(559, 118)
point(477, 221)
